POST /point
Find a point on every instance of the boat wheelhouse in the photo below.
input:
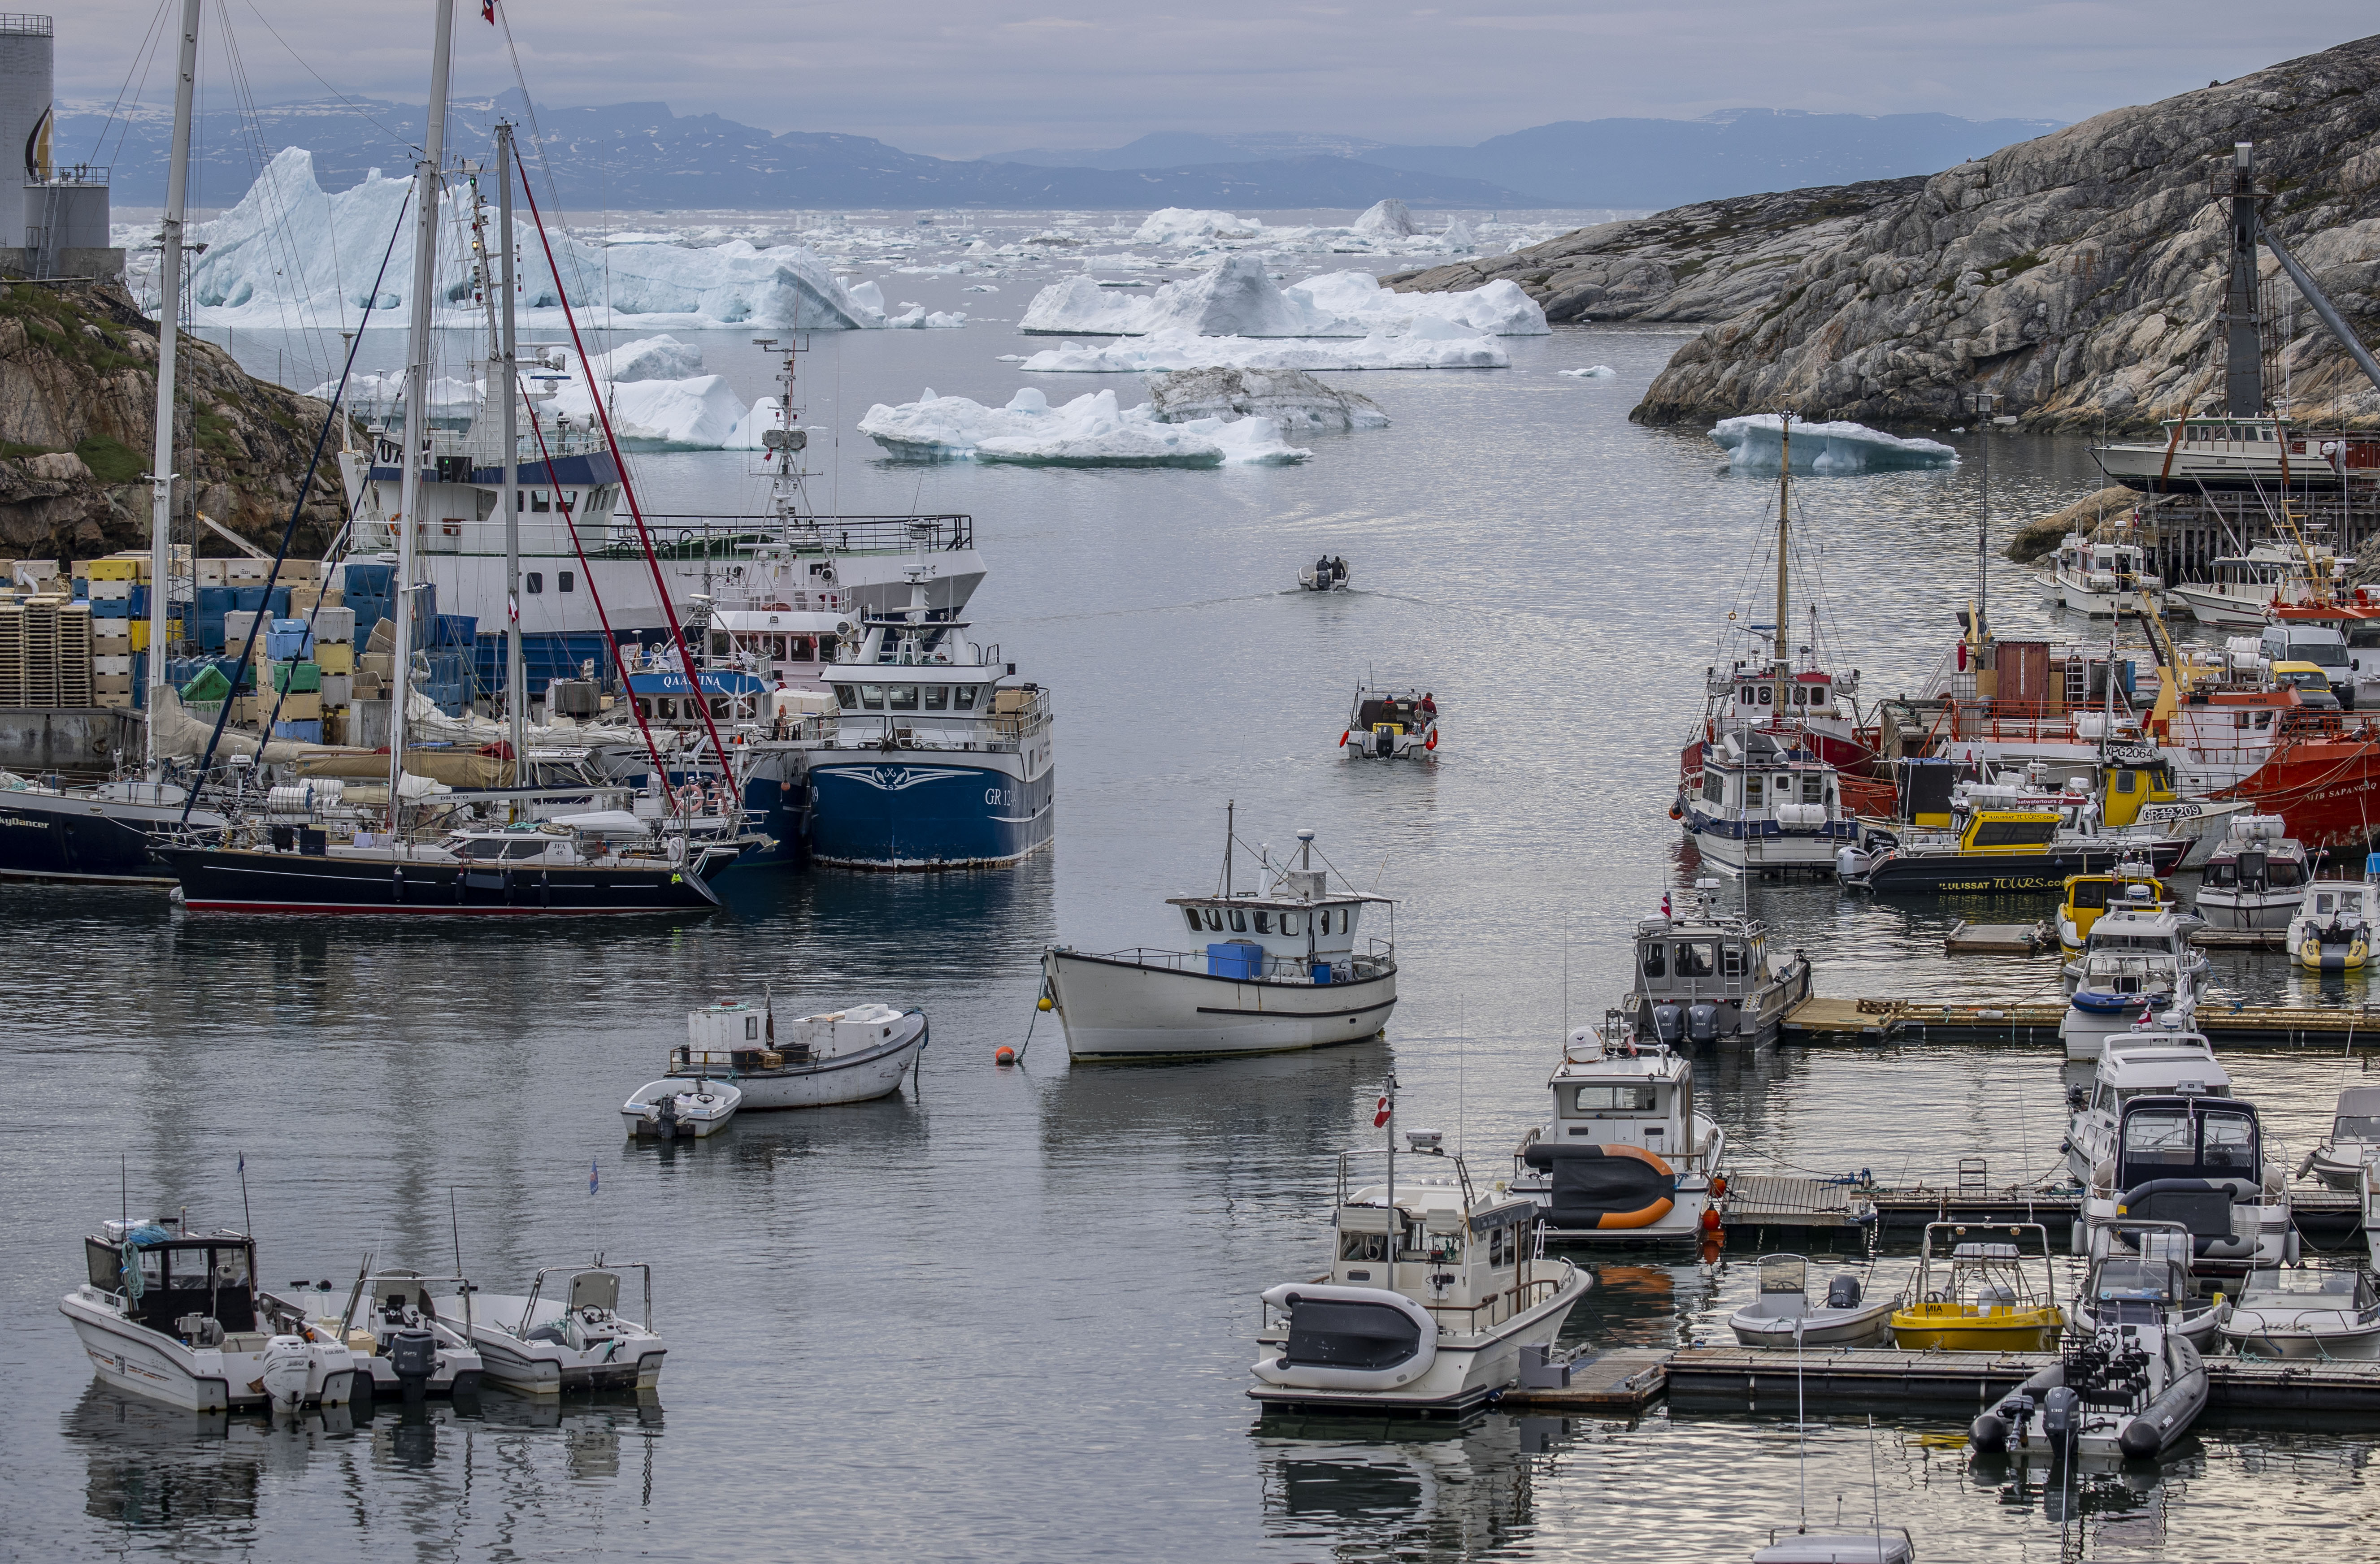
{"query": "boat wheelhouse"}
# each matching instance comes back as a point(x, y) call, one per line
point(2205, 1162)
point(2142, 931)
point(2257, 878)
point(1438, 1296)
point(2150, 1060)
point(1708, 977)
point(2219, 451)
point(2090, 897)
point(2102, 579)
point(1765, 808)
point(1285, 967)
point(1626, 1158)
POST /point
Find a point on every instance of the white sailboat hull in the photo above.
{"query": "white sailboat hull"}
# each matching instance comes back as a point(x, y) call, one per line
point(1115, 1010)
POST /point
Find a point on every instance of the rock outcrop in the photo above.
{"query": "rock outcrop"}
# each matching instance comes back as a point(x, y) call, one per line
point(78, 419)
point(2080, 275)
point(1709, 261)
point(2038, 540)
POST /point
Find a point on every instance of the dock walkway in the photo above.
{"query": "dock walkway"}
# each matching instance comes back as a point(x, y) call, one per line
point(1822, 1022)
point(1787, 1203)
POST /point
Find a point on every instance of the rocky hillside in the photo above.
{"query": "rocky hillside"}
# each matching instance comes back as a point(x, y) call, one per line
point(78, 417)
point(1709, 261)
point(2080, 275)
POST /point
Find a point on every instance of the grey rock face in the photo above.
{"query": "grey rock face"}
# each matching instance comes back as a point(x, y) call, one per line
point(1291, 398)
point(2081, 276)
point(1709, 261)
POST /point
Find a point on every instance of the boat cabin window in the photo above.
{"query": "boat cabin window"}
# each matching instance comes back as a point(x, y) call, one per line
point(1765, 696)
point(901, 697)
point(2136, 1281)
point(1215, 920)
point(564, 581)
point(1714, 787)
point(1656, 960)
point(2178, 1143)
point(1503, 1246)
point(963, 697)
point(1191, 914)
point(1629, 1098)
point(1752, 790)
point(1814, 790)
point(871, 697)
point(1289, 923)
point(1363, 1247)
point(1263, 921)
point(1697, 958)
point(535, 582)
point(2090, 894)
point(1437, 1248)
point(937, 697)
point(2355, 1126)
point(1239, 921)
point(2014, 833)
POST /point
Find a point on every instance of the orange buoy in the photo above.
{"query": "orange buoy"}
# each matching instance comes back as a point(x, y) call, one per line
point(1003, 1055)
point(1343, 740)
point(1718, 1187)
point(1710, 1220)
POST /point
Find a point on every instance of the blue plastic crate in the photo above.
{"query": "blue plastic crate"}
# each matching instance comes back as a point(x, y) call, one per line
point(288, 640)
point(1235, 957)
point(369, 576)
point(305, 733)
point(111, 608)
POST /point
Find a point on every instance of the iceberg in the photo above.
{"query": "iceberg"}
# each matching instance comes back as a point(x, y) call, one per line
point(1458, 238)
point(288, 255)
point(1236, 297)
point(1389, 219)
point(1091, 430)
point(1429, 345)
point(654, 388)
point(1593, 371)
point(1290, 398)
point(1834, 449)
point(1179, 224)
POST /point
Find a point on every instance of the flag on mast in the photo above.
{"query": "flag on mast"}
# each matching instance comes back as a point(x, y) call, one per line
point(1381, 1113)
point(594, 1175)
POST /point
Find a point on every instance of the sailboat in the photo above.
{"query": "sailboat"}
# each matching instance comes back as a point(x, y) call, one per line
point(601, 861)
point(100, 834)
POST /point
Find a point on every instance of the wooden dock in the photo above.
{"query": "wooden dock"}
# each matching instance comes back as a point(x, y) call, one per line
point(2240, 939)
point(1758, 1204)
point(1999, 940)
point(1763, 1377)
point(1626, 1379)
point(1821, 1021)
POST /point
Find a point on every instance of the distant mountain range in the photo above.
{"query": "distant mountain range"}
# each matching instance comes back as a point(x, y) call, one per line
point(641, 157)
point(1626, 163)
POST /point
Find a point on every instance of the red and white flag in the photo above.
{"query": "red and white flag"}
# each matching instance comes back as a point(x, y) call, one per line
point(1380, 1114)
point(487, 9)
point(512, 606)
point(1665, 904)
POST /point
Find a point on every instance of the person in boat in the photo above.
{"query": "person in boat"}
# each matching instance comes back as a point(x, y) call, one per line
point(1338, 568)
point(1428, 709)
point(1322, 571)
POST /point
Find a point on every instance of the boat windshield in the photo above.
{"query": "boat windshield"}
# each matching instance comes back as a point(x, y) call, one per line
point(2136, 1281)
point(2284, 1282)
point(2178, 1144)
point(1784, 1273)
point(2355, 1126)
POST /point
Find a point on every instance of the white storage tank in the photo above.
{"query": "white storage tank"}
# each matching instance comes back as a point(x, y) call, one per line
point(26, 61)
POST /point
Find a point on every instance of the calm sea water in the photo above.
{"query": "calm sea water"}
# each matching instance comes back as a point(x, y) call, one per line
point(1007, 1315)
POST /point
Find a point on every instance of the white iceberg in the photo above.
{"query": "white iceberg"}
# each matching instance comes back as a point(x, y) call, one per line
point(1458, 238)
point(292, 256)
point(1088, 432)
point(1236, 297)
point(1428, 344)
point(918, 320)
point(1754, 440)
point(1593, 371)
point(654, 389)
point(1290, 398)
point(1180, 225)
point(1388, 218)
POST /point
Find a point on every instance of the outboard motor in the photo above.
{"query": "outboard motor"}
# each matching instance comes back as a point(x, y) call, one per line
point(2061, 1418)
point(1668, 1025)
point(413, 1358)
point(1702, 1022)
point(1844, 1292)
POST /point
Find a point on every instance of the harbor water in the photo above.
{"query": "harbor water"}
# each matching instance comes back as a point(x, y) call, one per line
point(1009, 1312)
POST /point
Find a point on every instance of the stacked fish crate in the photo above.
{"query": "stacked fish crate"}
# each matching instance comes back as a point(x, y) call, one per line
point(117, 590)
point(334, 658)
point(296, 697)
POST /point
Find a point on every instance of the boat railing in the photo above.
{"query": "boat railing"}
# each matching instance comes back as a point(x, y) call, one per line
point(1276, 968)
point(692, 535)
point(1518, 1299)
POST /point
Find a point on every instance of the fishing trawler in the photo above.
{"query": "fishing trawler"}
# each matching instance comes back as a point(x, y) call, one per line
point(1708, 977)
point(1625, 1158)
point(2101, 579)
point(1764, 807)
point(2256, 878)
point(1283, 967)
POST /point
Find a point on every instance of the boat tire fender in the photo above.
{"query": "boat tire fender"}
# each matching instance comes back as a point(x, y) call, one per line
point(1277, 1369)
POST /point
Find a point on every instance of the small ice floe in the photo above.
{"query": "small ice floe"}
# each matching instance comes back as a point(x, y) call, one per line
point(1089, 431)
point(1593, 371)
point(1752, 443)
point(1426, 345)
point(1238, 297)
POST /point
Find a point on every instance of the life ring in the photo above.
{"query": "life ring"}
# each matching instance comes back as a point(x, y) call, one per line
point(1431, 742)
point(1589, 1181)
point(1342, 739)
point(1676, 813)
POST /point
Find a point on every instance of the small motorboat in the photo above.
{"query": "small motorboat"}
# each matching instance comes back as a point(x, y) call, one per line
point(1328, 574)
point(392, 1327)
point(1391, 724)
point(676, 1107)
point(1436, 1295)
point(2333, 929)
point(2354, 1142)
point(2257, 878)
point(2117, 993)
point(2156, 1272)
point(2125, 1390)
point(2139, 929)
point(2203, 1161)
point(1782, 1313)
point(1625, 1159)
point(1988, 1303)
point(1705, 976)
point(2309, 1312)
point(570, 1337)
point(853, 1055)
point(176, 1317)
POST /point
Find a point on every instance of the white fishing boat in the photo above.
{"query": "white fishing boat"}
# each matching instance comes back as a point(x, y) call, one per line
point(2353, 1144)
point(677, 1108)
point(2332, 930)
point(2261, 452)
point(1281, 969)
point(2257, 877)
point(1391, 722)
point(391, 1324)
point(2100, 579)
point(2315, 1312)
point(2136, 931)
point(1783, 1315)
point(1328, 573)
point(2240, 590)
point(853, 1055)
point(1625, 1159)
point(1766, 804)
point(1436, 1286)
point(1707, 975)
point(2143, 1061)
point(177, 1316)
point(569, 1337)
point(2120, 993)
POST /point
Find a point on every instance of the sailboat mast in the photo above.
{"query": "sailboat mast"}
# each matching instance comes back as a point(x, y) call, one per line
point(416, 393)
point(1783, 664)
point(169, 332)
point(508, 500)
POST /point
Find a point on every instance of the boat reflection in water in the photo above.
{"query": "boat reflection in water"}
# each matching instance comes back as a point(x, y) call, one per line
point(1335, 1485)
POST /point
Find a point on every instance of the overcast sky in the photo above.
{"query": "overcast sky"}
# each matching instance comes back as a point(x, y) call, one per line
point(963, 78)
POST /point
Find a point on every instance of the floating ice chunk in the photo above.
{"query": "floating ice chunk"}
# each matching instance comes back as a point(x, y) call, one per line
point(1457, 237)
point(1430, 345)
point(1091, 431)
point(868, 296)
point(1500, 309)
point(917, 319)
point(1237, 299)
point(1290, 398)
point(1180, 225)
point(980, 287)
point(1388, 218)
point(695, 414)
point(1753, 442)
point(653, 357)
point(1593, 371)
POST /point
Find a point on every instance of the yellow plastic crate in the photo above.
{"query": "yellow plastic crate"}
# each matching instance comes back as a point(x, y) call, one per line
point(335, 657)
point(116, 570)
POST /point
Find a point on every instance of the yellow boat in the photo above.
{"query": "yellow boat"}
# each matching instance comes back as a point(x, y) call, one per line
point(2089, 895)
point(1987, 1304)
